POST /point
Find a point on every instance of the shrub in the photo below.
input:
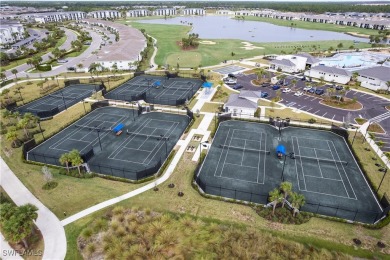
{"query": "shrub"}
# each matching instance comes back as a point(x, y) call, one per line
point(50, 185)
point(311, 121)
point(44, 67)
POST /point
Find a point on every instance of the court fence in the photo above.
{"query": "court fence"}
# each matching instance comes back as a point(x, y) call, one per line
point(369, 217)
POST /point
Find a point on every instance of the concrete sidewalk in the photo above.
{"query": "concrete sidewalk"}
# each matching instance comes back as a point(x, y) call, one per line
point(52, 231)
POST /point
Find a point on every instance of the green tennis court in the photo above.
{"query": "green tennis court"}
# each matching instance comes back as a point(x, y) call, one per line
point(242, 164)
point(116, 141)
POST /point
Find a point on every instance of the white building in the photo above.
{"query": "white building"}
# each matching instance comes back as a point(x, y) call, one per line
point(244, 103)
point(164, 11)
point(374, 78)
point(54, 16)
point(225, 12)
point(330, 74)
point(104, 14)
point(11, 32)
point(137, 13)
point(293, 63)
point(194, 11)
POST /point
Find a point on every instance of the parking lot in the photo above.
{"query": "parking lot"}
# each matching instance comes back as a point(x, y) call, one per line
point(372, 105)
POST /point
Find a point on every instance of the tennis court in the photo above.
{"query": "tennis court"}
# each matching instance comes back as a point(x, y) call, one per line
point(156, 90)
point(135, 151)
point(60, 100)
point(229, 69)
point(242, 164)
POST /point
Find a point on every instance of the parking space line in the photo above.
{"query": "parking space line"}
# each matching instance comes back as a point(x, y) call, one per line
point(325, 113)
point(302, 107)
point(333, 116)
point(309, 109)
point(316, 111)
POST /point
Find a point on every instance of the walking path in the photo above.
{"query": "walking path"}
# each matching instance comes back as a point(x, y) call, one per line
point(52, 231)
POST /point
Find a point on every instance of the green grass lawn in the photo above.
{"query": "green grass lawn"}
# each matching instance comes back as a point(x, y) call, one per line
point(210, 107)
point(169, 52)
point(76, 53)
point(313, 26)
point(288, 112)
point(16, 63)
point(317, 232)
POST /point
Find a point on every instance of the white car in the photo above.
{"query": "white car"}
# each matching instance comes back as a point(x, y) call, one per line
point(298, 93)
point(286, 90)
point(307, 88)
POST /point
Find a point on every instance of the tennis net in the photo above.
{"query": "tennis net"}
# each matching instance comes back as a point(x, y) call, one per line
point(92, 128)
point(243, 149)
point(300, 157)
point(146, 135)
point(182, 89)
point(58, 96)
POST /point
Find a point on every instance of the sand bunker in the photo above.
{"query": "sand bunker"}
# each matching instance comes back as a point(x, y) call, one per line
point(249, 46)
point(207, 42)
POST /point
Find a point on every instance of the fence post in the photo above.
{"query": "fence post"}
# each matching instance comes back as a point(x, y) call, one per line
point(354, 217)
point(318, 207)
point(337, 209)
point(235, 194)
point(220, 190)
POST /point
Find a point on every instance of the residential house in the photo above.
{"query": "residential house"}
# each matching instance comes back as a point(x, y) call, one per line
point(104, 14)
point(374, 78)
point(194, 11)
point(137, 13)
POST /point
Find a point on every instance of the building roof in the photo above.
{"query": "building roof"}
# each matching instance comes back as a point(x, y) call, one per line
point(250, 94)
point(236, 101)
point(332, 70)
point(310, 59)
point(283, 62)
point(379, 72)
point(25, 41)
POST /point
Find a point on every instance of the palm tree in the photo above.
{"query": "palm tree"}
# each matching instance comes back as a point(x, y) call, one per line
point(286, 188)
point(388, 86)
point(260, 73)
point(12, 135)
point(7, 115)
point(76, 159)
point(294, 82)
point(6, 94)
point(23, 124)
point(297, 201)
point(355, 75)
point(65, 160)
point(3, 77)
point(275, 197)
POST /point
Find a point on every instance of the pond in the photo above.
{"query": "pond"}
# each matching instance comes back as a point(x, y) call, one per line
point(224, 27)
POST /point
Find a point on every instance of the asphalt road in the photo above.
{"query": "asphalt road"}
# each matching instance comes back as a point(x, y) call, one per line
point(372, 105)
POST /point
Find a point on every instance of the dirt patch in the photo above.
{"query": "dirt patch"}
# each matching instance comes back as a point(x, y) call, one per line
point(250, 46)
point(360, 35)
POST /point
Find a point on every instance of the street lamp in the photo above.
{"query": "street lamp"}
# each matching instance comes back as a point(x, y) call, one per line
point(40, 129)
point(98, 132)
point(63, 99)
point(291, 155)
point(384, 174)
point(354, 136)
point(204, 144)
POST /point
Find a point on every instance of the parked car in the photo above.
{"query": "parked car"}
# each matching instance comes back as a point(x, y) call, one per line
point(312, 90)
point(307, 88)
point(298, 93)
point(303, 78)
point(238, 86)
point(231, 75)
point(339, 87)
point(320, 91)
point(265, 85)
point(276, 87)
point(71, 68)
point(286, 90)
point(230, 81)
point(264, 94)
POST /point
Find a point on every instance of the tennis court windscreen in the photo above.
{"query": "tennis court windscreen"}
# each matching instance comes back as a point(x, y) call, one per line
point(59, 96)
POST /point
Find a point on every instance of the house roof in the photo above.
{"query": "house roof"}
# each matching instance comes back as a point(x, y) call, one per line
point(310, 59)
point(332, 70)
point(379, 72)
point(250, 94)
point(236, 101)
point(283, 62)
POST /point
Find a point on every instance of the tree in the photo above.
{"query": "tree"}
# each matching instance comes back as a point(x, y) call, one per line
point(388, 86)
point(20, 224)
point(3, 77)
point(6, 94)
point(12, 135)
point(297, 201)
point(355, 75)
point(286, 188)
point(47, 176)
point(76, 159)
point(114, 69)
point(15, 71)
point(65, 159)
point(294, 82)
point(23, 123)
point(260, 73)
point(7, 115)
point(275, 197)
point(340, 45)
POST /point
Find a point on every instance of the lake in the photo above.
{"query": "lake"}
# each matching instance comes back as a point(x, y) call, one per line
point(223, 27)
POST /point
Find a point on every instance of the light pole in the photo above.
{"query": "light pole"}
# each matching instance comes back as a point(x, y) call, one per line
point(353, 140)
point(291, 155)
point(365, 136)
point(40, 129)
point(98, 132)
point(384, 174)
point(85, 111)
point(200, 148)
point(63, 99)
point(162, 137)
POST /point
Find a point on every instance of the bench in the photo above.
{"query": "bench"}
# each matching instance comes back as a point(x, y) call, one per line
point(118, 133)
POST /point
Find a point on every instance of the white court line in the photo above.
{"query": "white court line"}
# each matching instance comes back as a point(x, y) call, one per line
point(220, 157)
point(346, 175)
point(318, 162)
point(224, 162)
point(241, 165)
point(323, 178)
point(315, 148)
point(303, 173)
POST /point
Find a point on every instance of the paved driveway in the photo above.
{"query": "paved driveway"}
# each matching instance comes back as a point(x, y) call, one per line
point(372, 105)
